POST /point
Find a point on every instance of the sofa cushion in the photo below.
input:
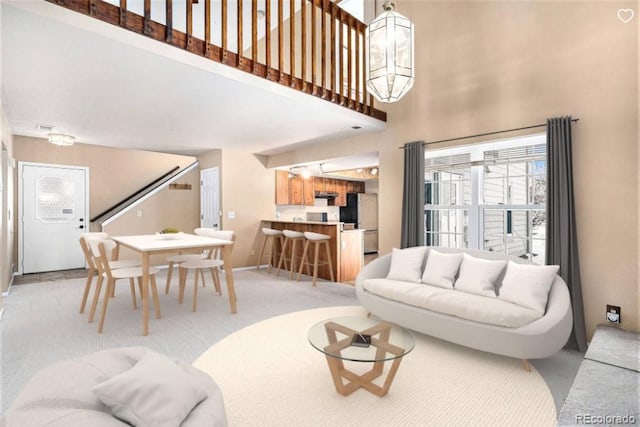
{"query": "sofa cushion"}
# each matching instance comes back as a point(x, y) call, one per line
point(528, 285)
point(155, 392)
point(398, 290)
point(441, 269)
point(406, 264)
point(467, 306)
point(477, 308)
point(478, 276)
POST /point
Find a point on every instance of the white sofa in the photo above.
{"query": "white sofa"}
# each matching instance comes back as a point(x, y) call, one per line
point(538, 339)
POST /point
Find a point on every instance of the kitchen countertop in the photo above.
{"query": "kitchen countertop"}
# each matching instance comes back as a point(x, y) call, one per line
point(289, 221)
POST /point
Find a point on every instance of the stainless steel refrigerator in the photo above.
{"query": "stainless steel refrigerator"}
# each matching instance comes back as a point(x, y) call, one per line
point(362, 211)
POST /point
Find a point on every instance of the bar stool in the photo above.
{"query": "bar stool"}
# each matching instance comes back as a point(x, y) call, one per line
point(318, 239)
point(293, 237)
point(270, 234)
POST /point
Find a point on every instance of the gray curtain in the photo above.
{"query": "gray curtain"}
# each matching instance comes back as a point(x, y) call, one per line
point(413, 196)
point(561, 239)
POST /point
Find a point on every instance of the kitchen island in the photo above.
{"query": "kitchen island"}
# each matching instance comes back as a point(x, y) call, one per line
point(347, 246)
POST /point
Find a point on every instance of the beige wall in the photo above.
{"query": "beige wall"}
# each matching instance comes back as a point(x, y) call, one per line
point(487, 66)
point(167, 209)
point(117, 173)
point(248, 189)
point(7, 234)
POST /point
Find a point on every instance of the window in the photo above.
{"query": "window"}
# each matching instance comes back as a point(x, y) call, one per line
point(488, 196)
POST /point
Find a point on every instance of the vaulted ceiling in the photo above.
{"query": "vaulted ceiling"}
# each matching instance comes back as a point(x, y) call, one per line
point(110, 87)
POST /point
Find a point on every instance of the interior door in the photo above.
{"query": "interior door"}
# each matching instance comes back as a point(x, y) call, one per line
point(210, 198)
point(54, 212)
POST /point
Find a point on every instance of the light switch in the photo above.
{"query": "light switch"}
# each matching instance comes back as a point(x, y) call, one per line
point(139, 214)
point(231, 215)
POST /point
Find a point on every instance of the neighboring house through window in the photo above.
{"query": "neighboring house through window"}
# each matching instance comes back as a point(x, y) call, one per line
point(488, 196)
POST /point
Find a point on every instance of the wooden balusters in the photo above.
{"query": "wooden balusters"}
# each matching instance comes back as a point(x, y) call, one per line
point(340, 52)
point(223, 34)
point(254, 34)
point(169, 17)
point(326, 54)
point(313, 49)
point(207, 27)
point(323, 53)
point(240, 49)
point(333, 53)
point(189, 40)
point(357, 75)
point(292, 41)
point(147, 17)
point(349, 69)
point(268, 37)
point(123, 13)
point(280, 41)
point(303, 68)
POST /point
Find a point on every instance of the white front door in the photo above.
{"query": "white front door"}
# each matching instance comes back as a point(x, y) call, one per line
point(54, 212)
point(210, 198)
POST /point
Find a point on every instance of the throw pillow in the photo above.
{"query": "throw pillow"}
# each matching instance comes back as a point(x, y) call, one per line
point(155, 392)
point(441, 269)
point(478, 276)
point(528, 285)
point(406, 264)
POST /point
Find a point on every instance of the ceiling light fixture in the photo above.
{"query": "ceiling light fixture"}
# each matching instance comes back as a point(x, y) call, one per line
point(61, 139)
point(301, 170)
point(389, 49)
point(374, 171)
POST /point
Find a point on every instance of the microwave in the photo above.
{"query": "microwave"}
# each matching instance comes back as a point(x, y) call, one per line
point(317, 216)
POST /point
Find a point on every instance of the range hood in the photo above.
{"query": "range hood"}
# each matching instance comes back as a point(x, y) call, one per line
point(326, 195)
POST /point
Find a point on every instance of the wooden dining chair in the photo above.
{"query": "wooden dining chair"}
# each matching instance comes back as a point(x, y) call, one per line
point(174, 260)
point(99, 249)
point(212, 262)
point(91, 265)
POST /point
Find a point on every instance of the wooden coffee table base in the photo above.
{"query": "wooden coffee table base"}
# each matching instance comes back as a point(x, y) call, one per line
point(355, 381)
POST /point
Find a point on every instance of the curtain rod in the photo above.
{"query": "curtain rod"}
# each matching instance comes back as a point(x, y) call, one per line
point(485, 134)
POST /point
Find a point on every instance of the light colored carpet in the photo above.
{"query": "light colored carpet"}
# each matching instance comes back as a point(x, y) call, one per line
point(271, 376)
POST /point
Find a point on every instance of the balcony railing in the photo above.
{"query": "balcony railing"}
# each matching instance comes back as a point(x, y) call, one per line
point(312, 46)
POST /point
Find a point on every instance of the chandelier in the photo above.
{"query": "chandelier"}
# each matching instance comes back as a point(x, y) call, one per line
point(389, 50)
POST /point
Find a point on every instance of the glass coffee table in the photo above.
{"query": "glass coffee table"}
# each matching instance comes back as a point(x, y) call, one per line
point(361, 339)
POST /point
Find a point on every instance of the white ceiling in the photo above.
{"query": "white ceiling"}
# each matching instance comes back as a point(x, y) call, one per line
point(108, 86)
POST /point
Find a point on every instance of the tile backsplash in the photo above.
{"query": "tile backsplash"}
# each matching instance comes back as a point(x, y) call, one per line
point(288, 212)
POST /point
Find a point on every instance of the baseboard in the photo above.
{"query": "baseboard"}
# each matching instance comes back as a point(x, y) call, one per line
point(8, 291)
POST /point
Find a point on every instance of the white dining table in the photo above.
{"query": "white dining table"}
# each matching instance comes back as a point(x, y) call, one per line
point(153, 244)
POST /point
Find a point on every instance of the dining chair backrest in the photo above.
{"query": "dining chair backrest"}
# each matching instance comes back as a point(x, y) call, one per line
point(86, 250)
point(99, 250)
point(216, 234)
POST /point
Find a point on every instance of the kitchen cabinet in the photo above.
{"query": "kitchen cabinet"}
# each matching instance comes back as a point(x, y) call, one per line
point(296, 186)
point(341, 189)
point(282, 187)
point(299, 191)
point(330, 185)
point(319, 183)
point(308, 192)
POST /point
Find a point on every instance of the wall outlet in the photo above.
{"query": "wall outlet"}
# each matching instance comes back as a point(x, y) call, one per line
point(613, 314)
point(139, 214)
point(231, 215)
